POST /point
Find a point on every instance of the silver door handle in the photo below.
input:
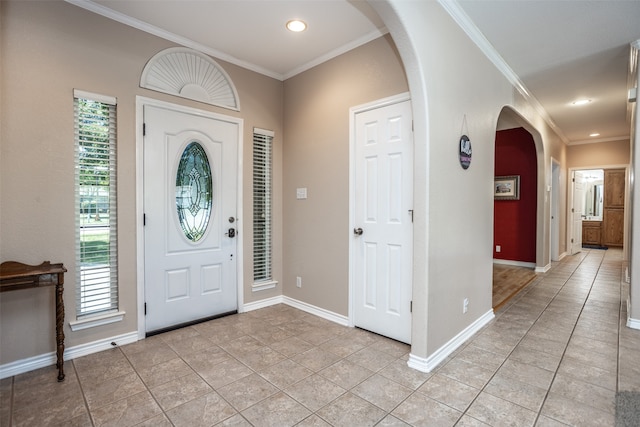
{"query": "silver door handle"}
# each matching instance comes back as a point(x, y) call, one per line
point(358, 231)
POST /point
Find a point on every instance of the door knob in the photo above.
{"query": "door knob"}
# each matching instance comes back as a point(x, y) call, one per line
point(358, 231)
point(231, 233)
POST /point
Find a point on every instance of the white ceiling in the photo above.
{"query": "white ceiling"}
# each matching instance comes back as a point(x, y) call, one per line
point(559, 50)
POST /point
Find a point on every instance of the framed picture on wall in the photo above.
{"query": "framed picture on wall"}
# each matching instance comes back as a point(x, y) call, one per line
point(506, 187)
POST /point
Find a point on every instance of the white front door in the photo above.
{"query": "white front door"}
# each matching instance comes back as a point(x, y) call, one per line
point(383, 220)
point(577, 209)
point(190, 186)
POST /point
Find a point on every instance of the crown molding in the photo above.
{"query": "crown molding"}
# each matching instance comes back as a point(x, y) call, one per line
point(336, 52)
point(167, 35)
point(595, 141)
point(467, 25)
point(186, 42)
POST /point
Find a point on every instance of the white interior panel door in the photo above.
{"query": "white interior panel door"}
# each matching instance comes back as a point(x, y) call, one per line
point(190, 186)
point(383, 220)
point(577, 209)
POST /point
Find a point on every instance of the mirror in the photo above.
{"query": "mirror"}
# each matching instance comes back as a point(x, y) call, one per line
point(593, 194)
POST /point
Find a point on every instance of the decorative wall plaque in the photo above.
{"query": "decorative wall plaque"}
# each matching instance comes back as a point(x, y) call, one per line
point(464, 152)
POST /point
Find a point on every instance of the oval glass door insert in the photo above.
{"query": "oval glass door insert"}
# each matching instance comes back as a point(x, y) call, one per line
point(194, 191)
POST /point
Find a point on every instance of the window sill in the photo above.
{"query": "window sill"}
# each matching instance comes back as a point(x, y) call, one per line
point(263, 286)
point(99, 320)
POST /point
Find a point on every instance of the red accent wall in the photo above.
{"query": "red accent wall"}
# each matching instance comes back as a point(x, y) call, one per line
point(514, 221)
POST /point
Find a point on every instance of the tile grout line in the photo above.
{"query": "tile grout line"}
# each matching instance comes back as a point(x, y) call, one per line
point(506, 307)
point(570, 336)
point(520, 340)
point(84, 397)
point(147, 388)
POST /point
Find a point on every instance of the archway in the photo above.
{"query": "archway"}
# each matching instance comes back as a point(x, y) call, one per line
point(520, 203)
point(417, 89)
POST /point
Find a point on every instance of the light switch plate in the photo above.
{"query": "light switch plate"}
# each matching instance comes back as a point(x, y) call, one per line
point(301, 193)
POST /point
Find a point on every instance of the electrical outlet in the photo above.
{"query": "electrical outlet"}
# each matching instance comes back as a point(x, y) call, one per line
point(498, 248)
point(298, 281)
point(465, 305)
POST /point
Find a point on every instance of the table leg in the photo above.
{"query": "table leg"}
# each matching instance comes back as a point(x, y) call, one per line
point(59, 328)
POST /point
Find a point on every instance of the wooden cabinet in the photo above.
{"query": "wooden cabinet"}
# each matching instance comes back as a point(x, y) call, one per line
point(592, 233)
point(613, 216)
point(614, 227)
point(614, 188)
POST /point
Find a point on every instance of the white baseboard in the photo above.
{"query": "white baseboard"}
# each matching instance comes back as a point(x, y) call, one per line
point(633, 323)
point(428, 364)
point(48, 359)
point(267, 302)
point(562, 255)
point(311, 309)
point(514, 263)
point(317, 311)
point(543, 269)
point(531, 265)
point(43, 360)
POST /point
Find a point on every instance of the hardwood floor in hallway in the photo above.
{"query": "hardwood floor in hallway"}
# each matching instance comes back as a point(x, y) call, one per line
point(508, 280)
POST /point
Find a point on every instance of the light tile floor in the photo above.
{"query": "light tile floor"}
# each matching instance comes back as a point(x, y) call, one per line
point(555, 355)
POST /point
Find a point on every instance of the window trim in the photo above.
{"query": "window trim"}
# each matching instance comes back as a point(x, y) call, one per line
point(97, 317)
point(263, 182)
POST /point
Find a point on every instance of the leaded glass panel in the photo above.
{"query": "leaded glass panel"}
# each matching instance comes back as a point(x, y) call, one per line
point(194, 191)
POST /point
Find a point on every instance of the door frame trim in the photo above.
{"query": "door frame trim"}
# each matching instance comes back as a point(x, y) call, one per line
point(141, 102)
point(627, 219)
point(554, 205)
point(379, 103)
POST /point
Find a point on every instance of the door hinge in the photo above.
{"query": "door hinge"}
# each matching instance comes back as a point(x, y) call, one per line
point(144, 129)
point(410, 306)
point(145, 308)
point(571, 240)
point(144, 219)
point(411, 213)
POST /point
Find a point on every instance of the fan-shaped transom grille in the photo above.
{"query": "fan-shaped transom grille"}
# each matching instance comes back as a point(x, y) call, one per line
point(190, 74)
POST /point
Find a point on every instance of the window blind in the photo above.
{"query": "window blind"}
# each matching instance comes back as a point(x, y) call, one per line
point(262, 188)
point(96, 210)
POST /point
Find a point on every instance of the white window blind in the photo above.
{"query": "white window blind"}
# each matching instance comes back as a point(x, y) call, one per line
point(262, 177)
point(95, 188)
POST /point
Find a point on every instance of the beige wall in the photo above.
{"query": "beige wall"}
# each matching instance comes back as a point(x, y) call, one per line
point(455, 89)
point(317, 102)
point(599, 154)
point(48, 49)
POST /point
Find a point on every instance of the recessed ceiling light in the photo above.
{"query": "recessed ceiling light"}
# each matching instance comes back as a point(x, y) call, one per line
point(581, 102)
point(296, 25)
point(594, 134)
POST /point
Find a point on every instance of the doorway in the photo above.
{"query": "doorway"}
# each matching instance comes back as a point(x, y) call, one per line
point(515, 227)
point(555, 211)
point(381, 246)
point(190, 200)
point(598, 196)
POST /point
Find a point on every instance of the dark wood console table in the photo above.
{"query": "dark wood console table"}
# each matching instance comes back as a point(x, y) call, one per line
point(15, 275)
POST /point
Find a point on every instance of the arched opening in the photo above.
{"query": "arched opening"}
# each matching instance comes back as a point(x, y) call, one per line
point(418, 93)
point(520, 225)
